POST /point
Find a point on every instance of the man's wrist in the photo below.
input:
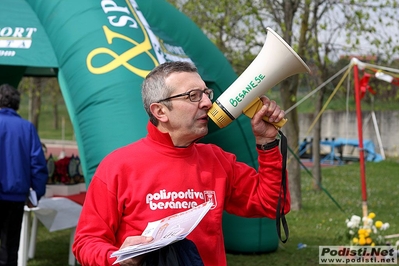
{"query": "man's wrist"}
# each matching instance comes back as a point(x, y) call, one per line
point(268, 146)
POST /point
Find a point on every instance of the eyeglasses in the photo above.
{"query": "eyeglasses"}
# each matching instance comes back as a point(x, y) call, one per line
point(193, 95)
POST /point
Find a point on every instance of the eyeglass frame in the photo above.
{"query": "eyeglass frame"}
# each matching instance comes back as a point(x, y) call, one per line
point(210, 95)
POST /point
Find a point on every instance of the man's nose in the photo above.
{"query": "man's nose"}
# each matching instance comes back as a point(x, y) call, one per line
point(205, 102)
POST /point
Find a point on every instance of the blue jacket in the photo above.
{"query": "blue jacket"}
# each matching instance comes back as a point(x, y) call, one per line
point(22, 162)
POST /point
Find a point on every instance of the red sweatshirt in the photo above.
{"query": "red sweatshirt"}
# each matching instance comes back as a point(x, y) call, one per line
point(151, 179)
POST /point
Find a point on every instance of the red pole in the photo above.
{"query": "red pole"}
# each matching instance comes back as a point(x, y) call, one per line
point(360, 136)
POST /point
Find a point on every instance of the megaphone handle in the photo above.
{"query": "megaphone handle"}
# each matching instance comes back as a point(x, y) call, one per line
point(255, 106)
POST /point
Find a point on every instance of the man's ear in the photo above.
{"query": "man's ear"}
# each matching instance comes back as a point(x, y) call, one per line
point(159, 111)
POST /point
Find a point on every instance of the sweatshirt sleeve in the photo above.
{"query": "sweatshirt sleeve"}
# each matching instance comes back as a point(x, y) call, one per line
point(254, 193)
point(95, 233)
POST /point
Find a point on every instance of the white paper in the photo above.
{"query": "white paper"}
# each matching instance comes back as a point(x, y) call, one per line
point(165, 231)
point(33, 197)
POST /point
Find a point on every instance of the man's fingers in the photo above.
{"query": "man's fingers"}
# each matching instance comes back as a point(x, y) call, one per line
point(135, 240)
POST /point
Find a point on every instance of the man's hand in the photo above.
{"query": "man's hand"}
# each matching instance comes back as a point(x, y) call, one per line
point(134, 240)
point(30, 204)
point(265, 132)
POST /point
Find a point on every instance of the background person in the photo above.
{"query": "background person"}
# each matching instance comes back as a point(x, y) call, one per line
point(22, 166)
point(168, 172)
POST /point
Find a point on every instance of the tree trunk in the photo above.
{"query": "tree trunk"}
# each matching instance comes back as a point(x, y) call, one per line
point(316, 170)
point(35, 101)
point(54, 97)
point(291, 130)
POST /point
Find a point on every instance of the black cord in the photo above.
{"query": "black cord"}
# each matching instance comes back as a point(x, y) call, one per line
point(280, 215)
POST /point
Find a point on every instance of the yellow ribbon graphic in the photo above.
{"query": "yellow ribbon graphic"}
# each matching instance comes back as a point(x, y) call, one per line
point(123, 58)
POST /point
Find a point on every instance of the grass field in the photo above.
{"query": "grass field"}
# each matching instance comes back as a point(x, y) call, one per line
point(320, 222)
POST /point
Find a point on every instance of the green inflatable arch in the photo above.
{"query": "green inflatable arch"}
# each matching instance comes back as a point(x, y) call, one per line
point(104, 50)
point(24, 46)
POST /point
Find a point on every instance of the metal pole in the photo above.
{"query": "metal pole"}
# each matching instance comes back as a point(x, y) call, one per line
point(360, 136)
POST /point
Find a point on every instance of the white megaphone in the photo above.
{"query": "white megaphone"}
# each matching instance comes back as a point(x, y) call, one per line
point(275, 62)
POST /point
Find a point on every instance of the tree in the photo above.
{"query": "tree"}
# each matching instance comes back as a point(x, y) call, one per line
point(321, 60)
point(319, 24)
point(33, 88)
point(283, 14)
point(230, 25)
point(54, 91)
point(36, 88)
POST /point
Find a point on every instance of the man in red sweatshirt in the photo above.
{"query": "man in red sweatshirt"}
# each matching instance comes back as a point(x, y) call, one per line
point(168, 172)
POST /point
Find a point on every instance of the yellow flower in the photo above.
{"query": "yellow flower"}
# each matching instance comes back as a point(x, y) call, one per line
point(371, 233)
point(378, 224)
point(362, 241)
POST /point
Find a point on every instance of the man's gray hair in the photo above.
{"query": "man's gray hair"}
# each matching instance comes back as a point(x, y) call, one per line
point(154, 87)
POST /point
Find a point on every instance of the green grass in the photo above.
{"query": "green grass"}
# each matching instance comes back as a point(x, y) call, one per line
point(51, 248)
point(320, 222)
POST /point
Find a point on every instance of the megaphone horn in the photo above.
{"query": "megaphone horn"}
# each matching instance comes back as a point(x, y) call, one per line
point(275, 62)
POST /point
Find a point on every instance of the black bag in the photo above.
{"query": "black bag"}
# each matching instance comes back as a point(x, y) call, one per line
point(180, 253)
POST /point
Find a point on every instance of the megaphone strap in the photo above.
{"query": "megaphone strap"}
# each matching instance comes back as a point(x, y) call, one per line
point(282, 197)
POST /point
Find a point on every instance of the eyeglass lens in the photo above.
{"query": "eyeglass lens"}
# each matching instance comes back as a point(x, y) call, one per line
point(196, 95)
